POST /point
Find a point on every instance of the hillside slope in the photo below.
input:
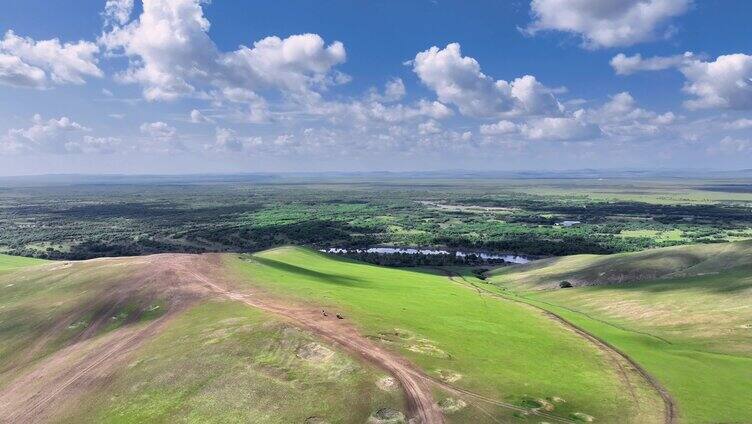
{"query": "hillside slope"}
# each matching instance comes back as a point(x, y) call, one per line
point(229, 338)
point(140, 340)
point(498, 349)
point(653, 264)
point(684, 313)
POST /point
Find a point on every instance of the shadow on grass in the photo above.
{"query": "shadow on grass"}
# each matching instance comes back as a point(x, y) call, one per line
point(309, 273)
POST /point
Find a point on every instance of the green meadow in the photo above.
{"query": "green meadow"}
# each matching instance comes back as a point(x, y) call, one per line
point(222, 361)
point(683, 313)
point(496, 348)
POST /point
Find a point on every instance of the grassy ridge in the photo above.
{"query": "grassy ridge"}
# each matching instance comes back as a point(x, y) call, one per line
point(218, 361)
point(222, 361)
point(670, 262)
point(687, 319)
point(500, 349)
point(10, 263)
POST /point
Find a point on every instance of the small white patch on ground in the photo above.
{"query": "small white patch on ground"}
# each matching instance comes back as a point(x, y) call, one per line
point(387, 384)
point(426, 347)
point(583, 417)
point(450, 405)
point(448, 376)
point(545, 405)
point(315, 353)
point(386, 416)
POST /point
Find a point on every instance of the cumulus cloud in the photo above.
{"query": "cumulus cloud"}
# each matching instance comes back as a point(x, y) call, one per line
point(499, 128)
point(429, 127)
point(626, 65)
point(725, 83)
point(226, 139)
point(99, 145)
point(171, 56)
point(571, 128)
point(44, 136)
point(25, 62)
point(394, 90)
point(161, 138)
point(729, 145)
point(619, 118)
point(458, 80)
point(622, 117)
point(607, 23)
point(198, 118)
point(117, 12)
point(158, 130)
point(739, 124)
point(17, 73)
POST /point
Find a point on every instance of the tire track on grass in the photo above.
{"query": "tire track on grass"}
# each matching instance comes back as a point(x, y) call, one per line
point(670, 412)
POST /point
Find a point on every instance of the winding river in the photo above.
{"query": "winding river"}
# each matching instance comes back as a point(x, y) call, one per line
point(515, 259)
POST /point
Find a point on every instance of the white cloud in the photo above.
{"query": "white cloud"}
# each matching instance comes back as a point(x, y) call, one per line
point(429, 127)
point(296, 64)
point(25, 62)
point(44, 136)
point(725, 83)
point(96, 145)
point(622, 117)
point(398, 112)
point(458, 80)
point(607, 23)
point(499, 128)
point(559, 129)
point(17, 73)
point(198, 118)
point(227, 140)
point(731, 145)
point(171, 56)
point(739, 124)
point(117, 12)
point(617, 119)
point(626, 65)
point(163, 137)
point(158, 130)
point(394, 90)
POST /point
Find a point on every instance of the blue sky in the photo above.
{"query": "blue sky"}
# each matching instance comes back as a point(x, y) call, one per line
point(122, 86)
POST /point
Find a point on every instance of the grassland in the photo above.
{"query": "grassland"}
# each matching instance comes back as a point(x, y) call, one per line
point(499, 349)
point(222, 361)
point(10, 263)
point(129, 341)
point(684, 313)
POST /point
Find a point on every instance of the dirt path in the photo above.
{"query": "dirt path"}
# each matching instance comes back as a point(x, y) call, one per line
point(417, 385)
point(669, 415)
point(69, 373)
point(420, 402)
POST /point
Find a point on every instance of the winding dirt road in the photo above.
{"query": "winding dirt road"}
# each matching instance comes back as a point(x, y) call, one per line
point(66, 375)
point(420, 403)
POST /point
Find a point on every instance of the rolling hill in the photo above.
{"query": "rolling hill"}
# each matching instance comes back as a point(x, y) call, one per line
point(684, 313)
point(291, 335)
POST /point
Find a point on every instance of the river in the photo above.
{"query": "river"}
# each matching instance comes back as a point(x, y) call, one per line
point(515, 259)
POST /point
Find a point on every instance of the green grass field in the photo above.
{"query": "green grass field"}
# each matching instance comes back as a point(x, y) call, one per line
point(222, 362)
point(216, 361)
point(10, 263)
point(683, 313)
point(501, 349)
